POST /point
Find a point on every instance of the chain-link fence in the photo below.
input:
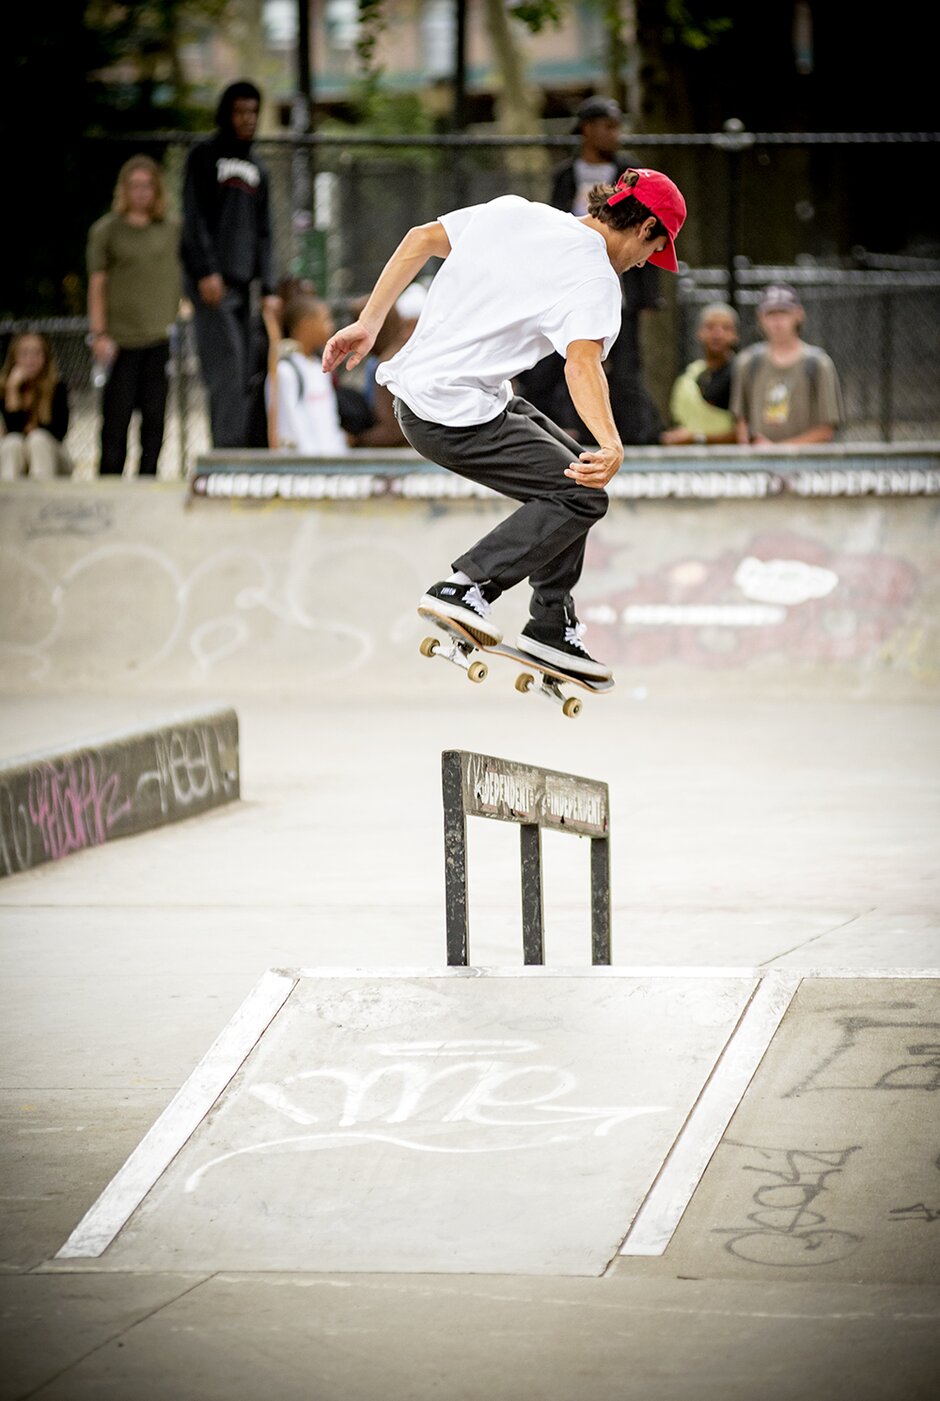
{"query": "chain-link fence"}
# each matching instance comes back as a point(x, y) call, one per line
point(882, 329)
point(764, 207)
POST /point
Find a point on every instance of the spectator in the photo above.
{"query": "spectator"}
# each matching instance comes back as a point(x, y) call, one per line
point(385, 431)
point(306, 411)
point(599, 123)
point(785, 391)
point(226, 247)
point(35, 411)
point(700, 399)
point(133, 298)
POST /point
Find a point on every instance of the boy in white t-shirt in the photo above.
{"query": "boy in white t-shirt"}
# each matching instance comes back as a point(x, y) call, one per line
point(519, 280)
point(307, 410)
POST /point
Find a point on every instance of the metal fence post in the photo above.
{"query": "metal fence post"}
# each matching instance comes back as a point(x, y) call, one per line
point(533, 919)
point(600, 900)
point(455, 863)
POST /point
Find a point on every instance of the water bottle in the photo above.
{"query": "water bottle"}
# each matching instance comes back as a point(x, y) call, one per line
point(99, 374)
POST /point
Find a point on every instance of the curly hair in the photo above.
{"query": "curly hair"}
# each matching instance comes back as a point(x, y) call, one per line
point(626, 213)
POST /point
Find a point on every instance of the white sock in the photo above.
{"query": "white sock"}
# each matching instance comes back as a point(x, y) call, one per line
point(459, 578)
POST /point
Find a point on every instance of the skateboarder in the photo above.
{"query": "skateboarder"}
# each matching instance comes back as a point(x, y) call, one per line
point(519, 280)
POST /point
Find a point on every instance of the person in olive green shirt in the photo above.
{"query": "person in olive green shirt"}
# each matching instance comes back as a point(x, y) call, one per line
point(134, 284)
point(701, 395)
point(784, 390)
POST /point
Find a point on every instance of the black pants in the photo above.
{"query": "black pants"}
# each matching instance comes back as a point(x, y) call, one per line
point(137, 381)
point(223, 339)
point(523, 455)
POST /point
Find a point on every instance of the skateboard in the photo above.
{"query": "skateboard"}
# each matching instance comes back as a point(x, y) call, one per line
point(459, 646)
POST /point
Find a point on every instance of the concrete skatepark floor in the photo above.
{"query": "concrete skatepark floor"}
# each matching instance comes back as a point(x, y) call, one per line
point(772, 754)
point(790, 835)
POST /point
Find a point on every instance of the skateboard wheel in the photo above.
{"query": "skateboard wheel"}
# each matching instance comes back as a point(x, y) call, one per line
point(429, 646)
point(524, 682)
point(478, 671)
point(571, 707)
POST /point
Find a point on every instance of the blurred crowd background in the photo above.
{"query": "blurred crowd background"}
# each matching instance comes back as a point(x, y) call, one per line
point(799, 134)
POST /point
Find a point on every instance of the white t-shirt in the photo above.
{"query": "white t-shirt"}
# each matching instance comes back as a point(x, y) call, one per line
point(307, 412)
point(521, 280)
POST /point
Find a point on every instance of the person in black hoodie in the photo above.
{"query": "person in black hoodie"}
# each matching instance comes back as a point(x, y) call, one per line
point(599, 123)
point(225, 247)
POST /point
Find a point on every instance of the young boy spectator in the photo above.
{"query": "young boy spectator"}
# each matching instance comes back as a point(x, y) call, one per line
point(307, 412)
point(785, 391)
point(35, 410)
point(699, 403)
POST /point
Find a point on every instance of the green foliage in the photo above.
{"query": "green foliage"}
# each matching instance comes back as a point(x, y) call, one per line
point(689, 25)
point(371, 25)
point(382, 112)
point(145, 40)
point(537, 15)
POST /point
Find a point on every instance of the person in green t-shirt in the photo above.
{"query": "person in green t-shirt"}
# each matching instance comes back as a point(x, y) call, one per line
point(701, 395)
point(134, 284)
point(784, 390)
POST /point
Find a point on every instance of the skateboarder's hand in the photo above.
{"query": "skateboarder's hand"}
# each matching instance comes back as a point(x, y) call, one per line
point(355, 341)
point(596, 468)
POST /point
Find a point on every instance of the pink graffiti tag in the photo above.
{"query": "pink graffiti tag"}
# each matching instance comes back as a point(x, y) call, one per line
point(74, 804)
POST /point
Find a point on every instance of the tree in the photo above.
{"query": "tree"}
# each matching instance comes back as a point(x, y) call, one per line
point(98, 68)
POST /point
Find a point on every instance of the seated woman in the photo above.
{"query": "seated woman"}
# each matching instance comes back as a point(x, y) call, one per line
point(699, 404)
point(35, 408)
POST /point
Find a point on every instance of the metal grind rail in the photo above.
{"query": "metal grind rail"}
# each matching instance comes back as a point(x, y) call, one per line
point(479, 785)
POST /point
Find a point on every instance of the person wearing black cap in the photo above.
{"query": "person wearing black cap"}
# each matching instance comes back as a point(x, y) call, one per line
point(225, 247)
point(518, 280)
point(599, 123)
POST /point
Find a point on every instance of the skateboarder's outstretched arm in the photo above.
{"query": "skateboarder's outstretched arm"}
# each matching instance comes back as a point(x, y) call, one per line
point(422, 242)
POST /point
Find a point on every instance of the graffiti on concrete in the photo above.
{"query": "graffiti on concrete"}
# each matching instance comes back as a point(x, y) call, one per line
point(920, 1212)
point(787, 1226)
point(192, 764)
point(294, 593)
point(54, 805)
point(74, 804)
point(786, 595)
point(871, 1053)
point(488, 1096)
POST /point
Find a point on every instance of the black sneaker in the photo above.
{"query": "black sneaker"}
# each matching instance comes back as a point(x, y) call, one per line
point(467, 604)
point(560, 644)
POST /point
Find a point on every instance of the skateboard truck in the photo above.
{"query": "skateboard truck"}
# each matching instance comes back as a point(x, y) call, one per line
point(457, 652)
point(550, 688)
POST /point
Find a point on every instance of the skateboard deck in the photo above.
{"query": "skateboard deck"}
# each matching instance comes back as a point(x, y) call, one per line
point(462, 645)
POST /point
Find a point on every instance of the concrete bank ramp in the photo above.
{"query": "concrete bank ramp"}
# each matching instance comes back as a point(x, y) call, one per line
point(536, 1121)
point(122, 586)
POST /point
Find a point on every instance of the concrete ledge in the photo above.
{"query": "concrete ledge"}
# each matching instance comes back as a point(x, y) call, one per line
point(60, 801)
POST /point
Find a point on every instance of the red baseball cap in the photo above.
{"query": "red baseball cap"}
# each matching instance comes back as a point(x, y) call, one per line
point(664, 198)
